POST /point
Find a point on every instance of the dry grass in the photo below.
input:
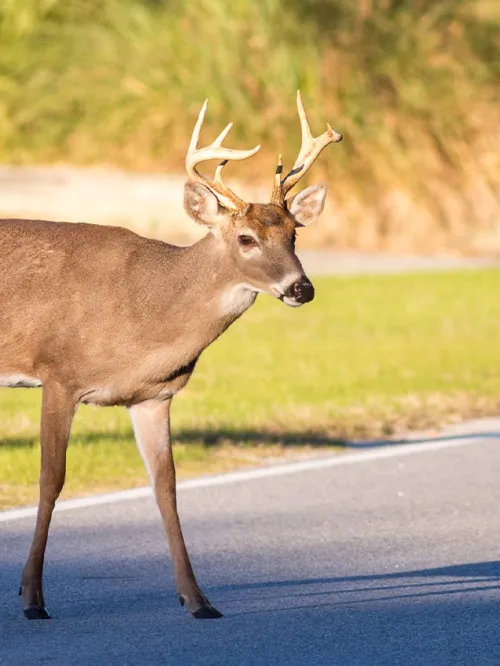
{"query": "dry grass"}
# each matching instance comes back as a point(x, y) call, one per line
point(413, 86)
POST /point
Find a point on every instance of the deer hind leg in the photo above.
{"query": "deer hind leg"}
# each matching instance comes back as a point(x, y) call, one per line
point(151, 421)
point(57, 414)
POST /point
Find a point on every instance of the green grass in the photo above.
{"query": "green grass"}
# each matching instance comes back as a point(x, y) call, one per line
point(371, 356)
point(414, 86)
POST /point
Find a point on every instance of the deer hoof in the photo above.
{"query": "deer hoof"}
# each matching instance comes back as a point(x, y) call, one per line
point(207, 613)
point(36, 613)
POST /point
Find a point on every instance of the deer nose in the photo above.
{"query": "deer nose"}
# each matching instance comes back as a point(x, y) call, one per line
point(302, 291)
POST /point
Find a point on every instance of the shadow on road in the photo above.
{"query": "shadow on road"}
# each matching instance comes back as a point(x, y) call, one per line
point(445, 615)
point(476, 570)
point(445, 634)
point(474, 577)
point(469, 580)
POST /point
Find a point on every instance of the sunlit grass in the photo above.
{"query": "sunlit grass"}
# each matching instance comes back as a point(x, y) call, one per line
point(371, 356)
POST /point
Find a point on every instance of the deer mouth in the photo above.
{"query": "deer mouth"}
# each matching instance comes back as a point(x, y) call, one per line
point(291, 302)
point(287, 300)
point(277, 292)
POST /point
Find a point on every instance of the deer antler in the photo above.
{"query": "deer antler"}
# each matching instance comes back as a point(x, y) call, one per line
point(310, 150)
point(215, 151)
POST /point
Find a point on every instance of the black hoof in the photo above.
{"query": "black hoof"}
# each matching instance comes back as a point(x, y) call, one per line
point(207, 613)
point(36, 613)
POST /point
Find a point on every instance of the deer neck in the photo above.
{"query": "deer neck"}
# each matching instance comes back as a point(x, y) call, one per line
point(222, 285)
point(208, 294)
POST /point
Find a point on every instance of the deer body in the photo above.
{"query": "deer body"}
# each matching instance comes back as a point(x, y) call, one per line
point(134, 333)
point(100, 315)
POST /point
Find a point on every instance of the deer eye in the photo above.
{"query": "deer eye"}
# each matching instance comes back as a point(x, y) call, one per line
point(247, 241)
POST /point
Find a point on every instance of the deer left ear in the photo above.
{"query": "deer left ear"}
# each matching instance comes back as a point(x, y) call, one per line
point(306, 206)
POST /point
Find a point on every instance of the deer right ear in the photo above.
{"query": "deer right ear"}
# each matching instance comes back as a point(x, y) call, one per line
point(201, 204)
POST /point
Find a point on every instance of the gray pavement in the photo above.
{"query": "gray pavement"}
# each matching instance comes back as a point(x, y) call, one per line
point(383, 561)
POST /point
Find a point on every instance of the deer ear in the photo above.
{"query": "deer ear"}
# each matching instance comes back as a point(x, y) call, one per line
point(201, 204)
point(307, 205)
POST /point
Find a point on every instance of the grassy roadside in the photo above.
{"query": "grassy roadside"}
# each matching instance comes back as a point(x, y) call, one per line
point(371, 356)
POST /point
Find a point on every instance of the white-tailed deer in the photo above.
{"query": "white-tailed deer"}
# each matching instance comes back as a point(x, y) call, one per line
point(100, 315)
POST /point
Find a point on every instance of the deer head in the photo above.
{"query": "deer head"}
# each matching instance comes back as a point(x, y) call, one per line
point(258, 239)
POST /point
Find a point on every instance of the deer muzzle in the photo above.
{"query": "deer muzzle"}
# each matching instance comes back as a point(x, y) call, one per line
point(299, 292)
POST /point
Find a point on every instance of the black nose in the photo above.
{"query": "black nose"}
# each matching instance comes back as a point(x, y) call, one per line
point(302, 291)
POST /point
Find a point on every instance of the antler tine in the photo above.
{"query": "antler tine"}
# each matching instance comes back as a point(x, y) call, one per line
point(215, 151)
point(218, 141)
point(309, 152)
point(218, 171)
point(193, 144)
point(307, 137)
point(276, 197)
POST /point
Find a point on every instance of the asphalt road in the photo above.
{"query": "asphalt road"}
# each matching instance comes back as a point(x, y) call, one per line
point(388, 560)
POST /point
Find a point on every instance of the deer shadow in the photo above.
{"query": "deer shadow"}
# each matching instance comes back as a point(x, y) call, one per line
point(475, 572)
point(236, 436)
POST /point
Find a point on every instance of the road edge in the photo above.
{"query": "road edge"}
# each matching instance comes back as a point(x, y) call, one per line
point(339, 460)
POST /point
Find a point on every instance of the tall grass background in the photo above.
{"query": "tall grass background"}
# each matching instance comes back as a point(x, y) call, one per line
point(413, 86)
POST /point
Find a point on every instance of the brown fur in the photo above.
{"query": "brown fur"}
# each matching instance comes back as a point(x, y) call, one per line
point(101, 315)
point(130, 325)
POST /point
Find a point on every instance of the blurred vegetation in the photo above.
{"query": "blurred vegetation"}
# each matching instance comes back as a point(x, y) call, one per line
point(371, 356)
point(413, 86)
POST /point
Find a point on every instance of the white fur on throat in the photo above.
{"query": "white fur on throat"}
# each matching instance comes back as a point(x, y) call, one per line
point(236, 299)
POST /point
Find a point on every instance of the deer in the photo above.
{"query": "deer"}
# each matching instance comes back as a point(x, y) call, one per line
point(99, 315)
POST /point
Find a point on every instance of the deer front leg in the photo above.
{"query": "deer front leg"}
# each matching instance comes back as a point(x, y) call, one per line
point(57, 414)
point(151, 422)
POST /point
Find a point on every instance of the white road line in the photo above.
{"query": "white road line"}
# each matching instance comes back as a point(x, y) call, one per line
point(340, 460)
